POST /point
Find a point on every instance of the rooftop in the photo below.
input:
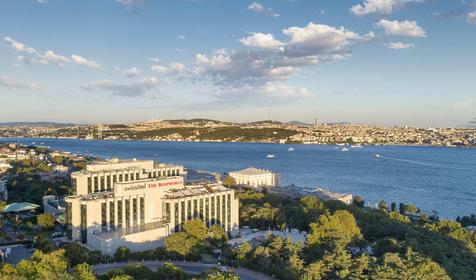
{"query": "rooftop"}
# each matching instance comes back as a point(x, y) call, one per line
point(252, 171)
point(195, 190)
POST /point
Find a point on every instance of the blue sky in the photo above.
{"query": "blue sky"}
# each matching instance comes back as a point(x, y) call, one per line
point(392, 62)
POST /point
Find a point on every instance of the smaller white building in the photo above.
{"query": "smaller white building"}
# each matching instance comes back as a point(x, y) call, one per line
point(255, 177)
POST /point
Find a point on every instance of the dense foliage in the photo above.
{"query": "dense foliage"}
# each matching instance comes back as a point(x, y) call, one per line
point(354, 242)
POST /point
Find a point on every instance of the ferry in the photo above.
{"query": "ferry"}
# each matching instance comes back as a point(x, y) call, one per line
point(291, 149)
point(345, 150)
point(377, 155)
point(270, 156)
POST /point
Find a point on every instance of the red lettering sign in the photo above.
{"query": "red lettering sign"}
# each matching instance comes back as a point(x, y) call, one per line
point(164, 184)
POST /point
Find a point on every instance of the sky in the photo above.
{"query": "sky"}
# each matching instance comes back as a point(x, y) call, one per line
point(389, 62)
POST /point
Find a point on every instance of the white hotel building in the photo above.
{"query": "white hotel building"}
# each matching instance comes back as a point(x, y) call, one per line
point(255, 177)
point(137, 204)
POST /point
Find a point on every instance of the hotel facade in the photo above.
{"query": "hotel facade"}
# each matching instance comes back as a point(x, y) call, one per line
point(138, 204)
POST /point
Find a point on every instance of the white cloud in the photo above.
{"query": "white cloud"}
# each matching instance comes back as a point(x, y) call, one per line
point(19, 46)
point(402, 28)
point(384, 7)
point(265, 71)
point(265, 41)
point(173, 68)
point(42, 1)
point(51, 56)
point(10, 83)
point(83, 61)
point(472, 17)
point(260, 9)
point(399, 45)
point(181, 37)
point(146, 87)
point(129, 2)
point(281, 90)
point(131, 72)
point(256, 7)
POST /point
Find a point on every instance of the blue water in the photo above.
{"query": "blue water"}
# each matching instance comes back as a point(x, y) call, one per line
point(433, 178)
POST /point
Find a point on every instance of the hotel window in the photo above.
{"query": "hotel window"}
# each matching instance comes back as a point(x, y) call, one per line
point(167, 212)
point(102, 183)
point(173, 172)
point(69, 216)
point(119, 214)
point(213, 210)
point(141, 210)
point(96, 184)
point(189, 209)
point(150, 175)
point(83, 225)
point(207, 209)
point(128, 213)
point(178, 172)
point(111, 214)
point(201, 209)
point(120, 177)
point(195, 208)
point(108, 182)
point(228, 212)
point(132, 176)
point(176, 214)
point(218, 218)
point(103, 216)
point(168, 173)
point(134, 211)
point(114, 178)
point(137, 175)
point(182, 211)
point(126, 177)
point(223, 210)
point(90, 185)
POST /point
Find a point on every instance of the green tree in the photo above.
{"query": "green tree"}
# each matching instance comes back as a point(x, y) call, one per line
point(244, 251)
point(229, 181)
point(75, 253)
point(122, 253)
point(39, 266)
point(58, 159)
point(181, 243)
point(84, 272)
point(122, 277)
point(171, 272)
point(195, 228)
point(358, 201)
point(410, 208)
point(393, 206)
point(46, 221)
point(382, 205)
point(340, 229)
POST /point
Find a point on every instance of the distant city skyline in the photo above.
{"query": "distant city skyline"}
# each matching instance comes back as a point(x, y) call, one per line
point(389, 62)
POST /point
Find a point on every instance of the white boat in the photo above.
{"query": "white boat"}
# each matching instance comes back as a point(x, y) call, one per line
point(270, 156)
point(356, 146)
point(291, 149)
point(377, 155)
point(345, 150)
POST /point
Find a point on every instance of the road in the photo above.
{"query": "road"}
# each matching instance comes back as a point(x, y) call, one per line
point(189, 267)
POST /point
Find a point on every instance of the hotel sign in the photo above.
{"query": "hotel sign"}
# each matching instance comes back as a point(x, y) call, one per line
point(144, 187)
point(164, 184)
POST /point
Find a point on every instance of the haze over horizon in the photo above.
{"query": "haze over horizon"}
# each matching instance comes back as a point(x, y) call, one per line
point(394, 62)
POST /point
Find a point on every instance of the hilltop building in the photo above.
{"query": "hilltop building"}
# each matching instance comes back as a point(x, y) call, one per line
point(137, 204)
point(255, 177)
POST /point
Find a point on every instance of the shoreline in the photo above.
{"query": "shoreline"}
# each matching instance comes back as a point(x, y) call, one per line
point(252, 142)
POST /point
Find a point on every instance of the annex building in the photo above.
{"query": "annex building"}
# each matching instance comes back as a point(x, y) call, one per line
point(255, 177)
point(138, 203)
